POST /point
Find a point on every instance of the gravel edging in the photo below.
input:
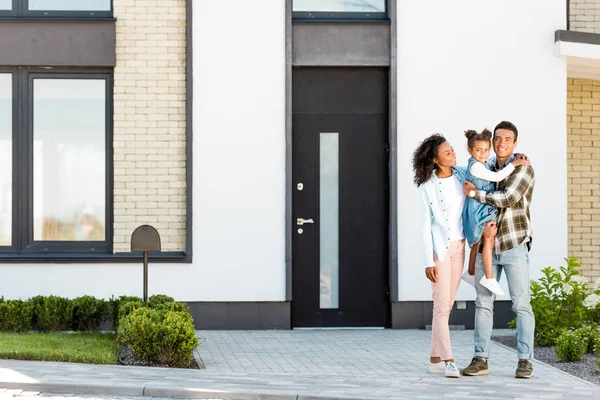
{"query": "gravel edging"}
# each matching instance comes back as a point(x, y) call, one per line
point(586, 369)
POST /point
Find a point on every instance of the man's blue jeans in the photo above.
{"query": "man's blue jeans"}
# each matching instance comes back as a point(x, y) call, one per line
point(515, 264)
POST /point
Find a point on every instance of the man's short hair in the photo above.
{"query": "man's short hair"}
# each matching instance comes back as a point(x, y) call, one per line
point(509, 126)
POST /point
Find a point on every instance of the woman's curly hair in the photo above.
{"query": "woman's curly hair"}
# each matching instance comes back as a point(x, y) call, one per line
point(423, 156)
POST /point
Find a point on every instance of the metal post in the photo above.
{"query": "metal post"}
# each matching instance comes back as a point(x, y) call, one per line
point(145, 276)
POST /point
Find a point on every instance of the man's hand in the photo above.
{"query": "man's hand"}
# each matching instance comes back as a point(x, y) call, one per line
point(431, 274)
point(490, 229)
point(468, 187)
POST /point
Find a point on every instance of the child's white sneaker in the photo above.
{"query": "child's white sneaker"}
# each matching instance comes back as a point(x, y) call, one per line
point(492, 285)
point(470, 279)
point(436, 368)
point(451, 371)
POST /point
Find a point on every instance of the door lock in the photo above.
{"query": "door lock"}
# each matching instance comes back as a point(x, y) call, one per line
point(302, 221)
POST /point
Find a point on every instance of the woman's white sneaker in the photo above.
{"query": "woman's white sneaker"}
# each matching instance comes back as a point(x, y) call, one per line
point(492, 285)
point(436, 368)
point(451, 371)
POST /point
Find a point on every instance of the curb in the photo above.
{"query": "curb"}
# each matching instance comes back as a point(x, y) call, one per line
point(158, 391)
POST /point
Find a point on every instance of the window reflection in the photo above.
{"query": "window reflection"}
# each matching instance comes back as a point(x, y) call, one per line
point(69, 118)
point(5, 159)
point(69, 5)
point(5, 4)
point(339, 5)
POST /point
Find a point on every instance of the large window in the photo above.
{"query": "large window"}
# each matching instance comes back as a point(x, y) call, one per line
point(56, 8)
point(56, 200)
point(340, 9)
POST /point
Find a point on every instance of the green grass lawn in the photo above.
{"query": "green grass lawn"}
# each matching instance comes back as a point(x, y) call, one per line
point(85, 347)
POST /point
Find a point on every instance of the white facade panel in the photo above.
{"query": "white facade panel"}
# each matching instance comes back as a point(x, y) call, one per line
point(469, 65)
point(239, 174)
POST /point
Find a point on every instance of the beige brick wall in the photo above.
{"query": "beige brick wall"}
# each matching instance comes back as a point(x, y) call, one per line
point(583, 173)
point(584, 16)
point(149, 121)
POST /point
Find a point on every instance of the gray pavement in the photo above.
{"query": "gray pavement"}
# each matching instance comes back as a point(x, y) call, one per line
point(305, 364)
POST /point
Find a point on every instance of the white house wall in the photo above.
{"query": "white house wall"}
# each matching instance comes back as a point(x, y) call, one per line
point(239, 174)
point(468, 65)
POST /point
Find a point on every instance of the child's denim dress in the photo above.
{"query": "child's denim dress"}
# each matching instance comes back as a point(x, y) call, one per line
point(476, 214)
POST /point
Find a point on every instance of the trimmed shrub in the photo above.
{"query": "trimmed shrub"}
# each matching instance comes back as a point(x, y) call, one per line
point(126, 307)
point(158, 300)
point(114, 304)
point(159, 336)
point(570, 346)
point(15, 315)
point(88, 313)
point(52, 313)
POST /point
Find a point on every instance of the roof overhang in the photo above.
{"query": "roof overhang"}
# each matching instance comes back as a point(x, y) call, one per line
point(582, 52)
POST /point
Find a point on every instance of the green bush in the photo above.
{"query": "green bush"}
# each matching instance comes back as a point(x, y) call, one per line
point(15, 316)
point(52, 313)
point(127, 307)
point(158, 300)
point(159, 337)
point(114, 304)
point(596, 345)
point(557, 300)
point(88, 313)
point(570, 346)
point(589, 333)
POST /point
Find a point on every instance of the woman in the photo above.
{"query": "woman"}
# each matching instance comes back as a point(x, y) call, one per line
point(440, 186)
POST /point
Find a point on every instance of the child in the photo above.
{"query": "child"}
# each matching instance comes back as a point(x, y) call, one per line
point(476, 214)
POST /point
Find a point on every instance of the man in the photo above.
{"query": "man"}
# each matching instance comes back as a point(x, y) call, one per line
point(511, 254)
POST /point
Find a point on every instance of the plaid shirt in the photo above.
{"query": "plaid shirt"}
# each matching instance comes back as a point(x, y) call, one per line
point(512, 198)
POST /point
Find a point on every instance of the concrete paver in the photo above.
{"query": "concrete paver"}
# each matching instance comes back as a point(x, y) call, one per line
point(303, 364)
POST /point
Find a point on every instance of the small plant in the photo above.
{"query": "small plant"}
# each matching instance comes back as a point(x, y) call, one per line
point(15, 315)
point(88, 313)
point(52, 313)
point(557, 300)
point(570, 346)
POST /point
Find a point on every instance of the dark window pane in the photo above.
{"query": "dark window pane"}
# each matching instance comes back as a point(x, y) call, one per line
point(69, 159)
point(363, 6)
point(5, 159)
point(69, 5)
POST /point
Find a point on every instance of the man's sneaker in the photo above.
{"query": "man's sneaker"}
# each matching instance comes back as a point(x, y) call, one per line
point(492, 285)
point(470, 279)
point(478, 366)
point(524, 369)
point(436, 368)
point(451, 371)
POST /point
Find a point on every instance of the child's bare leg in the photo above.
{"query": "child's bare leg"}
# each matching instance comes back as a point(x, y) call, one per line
point(488, 249)
point(472, 258)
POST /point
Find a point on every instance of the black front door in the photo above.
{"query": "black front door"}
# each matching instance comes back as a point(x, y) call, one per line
point(340, 197)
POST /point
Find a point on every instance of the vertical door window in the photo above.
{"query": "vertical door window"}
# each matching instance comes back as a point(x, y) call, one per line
point(329, 219)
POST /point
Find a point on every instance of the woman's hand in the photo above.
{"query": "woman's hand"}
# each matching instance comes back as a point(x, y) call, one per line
point(468, 186)
point(490, 229)
point(521, 163)
point(431, 274)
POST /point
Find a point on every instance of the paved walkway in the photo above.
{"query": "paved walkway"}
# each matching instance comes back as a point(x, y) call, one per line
point(306, 364)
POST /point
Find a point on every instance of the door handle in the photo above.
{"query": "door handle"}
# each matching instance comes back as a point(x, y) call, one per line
point(302, 221)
